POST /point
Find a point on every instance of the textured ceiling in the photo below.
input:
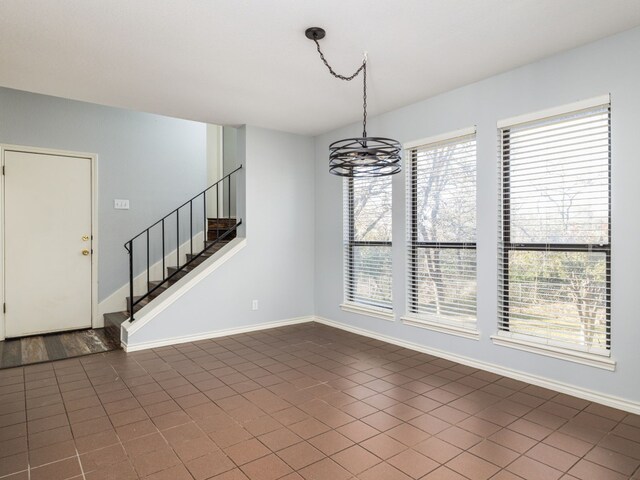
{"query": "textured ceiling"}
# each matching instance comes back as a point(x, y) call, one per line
point(234, 62)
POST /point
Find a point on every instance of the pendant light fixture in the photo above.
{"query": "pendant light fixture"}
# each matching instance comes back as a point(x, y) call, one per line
point(364, 156)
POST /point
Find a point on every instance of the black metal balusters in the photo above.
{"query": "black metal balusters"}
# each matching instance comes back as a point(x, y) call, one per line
point(206, 245)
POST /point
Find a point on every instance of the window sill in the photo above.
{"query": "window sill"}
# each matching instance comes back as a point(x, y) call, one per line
point(387, 315)
point(583, 358)
point(441, 327)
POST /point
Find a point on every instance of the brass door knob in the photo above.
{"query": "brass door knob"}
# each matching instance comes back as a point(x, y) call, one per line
point(85, 238)
point(85, 252)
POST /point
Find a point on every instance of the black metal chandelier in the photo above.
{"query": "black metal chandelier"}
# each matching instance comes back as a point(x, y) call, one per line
point(364, 156)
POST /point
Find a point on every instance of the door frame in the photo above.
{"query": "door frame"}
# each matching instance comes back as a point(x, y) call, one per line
point(93, 158)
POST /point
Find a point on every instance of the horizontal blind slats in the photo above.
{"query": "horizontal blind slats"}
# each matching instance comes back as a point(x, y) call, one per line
point(441, 206)
point(554, 185)
point(367, 218)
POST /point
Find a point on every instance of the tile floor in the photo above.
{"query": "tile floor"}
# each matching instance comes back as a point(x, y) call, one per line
point(303, 402)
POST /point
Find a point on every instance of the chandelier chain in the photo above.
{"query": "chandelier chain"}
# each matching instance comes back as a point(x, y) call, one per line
point(363, 69)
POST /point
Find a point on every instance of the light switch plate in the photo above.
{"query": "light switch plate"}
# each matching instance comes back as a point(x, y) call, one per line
point(120, 204)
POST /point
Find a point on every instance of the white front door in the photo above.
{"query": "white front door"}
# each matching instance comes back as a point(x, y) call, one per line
point(47, 238)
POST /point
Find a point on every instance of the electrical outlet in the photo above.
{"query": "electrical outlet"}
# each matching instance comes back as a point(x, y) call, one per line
point(120, 204)
point(254, 305)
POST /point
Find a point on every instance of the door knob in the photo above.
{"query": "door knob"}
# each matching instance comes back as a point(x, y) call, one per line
point(85, 238)
point(85, 252)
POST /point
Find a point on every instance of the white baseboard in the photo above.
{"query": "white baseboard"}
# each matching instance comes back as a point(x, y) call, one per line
point(590, 395)
point(215, 334)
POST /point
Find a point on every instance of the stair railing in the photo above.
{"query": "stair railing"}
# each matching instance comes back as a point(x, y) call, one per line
point(162, 223)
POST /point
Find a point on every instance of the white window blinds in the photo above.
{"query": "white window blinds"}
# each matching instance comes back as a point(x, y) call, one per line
point(367, 242)
point(554, 249)
point(442, 231)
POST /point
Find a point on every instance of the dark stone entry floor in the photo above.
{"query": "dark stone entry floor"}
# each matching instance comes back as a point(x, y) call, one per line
point(54, 346)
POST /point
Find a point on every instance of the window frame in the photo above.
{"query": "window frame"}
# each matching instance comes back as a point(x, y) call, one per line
point(351, 304)
point(412, 317)
point(523, 341)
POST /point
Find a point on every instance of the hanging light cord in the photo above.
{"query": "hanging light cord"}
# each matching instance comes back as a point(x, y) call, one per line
point(363, 69)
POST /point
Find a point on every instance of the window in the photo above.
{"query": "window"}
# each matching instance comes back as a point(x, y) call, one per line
point(442, 231)
point(367, 246)
point(555, 250)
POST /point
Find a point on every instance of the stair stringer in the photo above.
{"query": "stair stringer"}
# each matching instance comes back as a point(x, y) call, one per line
point(117, 302)
point(147, 313)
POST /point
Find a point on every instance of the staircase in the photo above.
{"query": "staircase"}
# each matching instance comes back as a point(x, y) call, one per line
point(219, 232)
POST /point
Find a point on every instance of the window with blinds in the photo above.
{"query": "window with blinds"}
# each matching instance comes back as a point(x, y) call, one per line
point(367, 245)
point(555, 249)
point(442, 231)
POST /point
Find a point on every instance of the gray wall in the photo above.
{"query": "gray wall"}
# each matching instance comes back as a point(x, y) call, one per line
point(156, 162)
point(610, 65)
point(276, 266)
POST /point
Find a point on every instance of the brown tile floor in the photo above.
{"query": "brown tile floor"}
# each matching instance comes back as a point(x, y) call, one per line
point(305, 402)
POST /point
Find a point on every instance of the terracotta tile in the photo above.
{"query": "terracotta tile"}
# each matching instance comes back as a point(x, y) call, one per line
point(438, 450)
point(50, 437)
point(247, 451)
point(134, 430)
point(494, 453)
point(403, 411)
point(182, 433)
point(612, 460)
point(103, 458)
point(407, 434)
point(586, 470)
point(568, 444)
point(169, 420)
point(229, 436)
point(356, 459)
point(279, 439)
point(235, 474)
point(472, 467)
point(530, 429)
point(330, 442)
point(381, 421)
point(266, 468)
point(155, 461)
point(621, 445)
point(429, 424)
point(531, 469)
point(308, 428)
point(127, 417)
point(51, 453)
point(119, 471)
point(512, 440)
point(97, 440)
point(57, 471)
point(357, 431)
point(627, 431)
point(192, 449)
point(383, 471)
point(141, 445)
point(506, 475)
point(449, 414)
point(289, 416)
point(553, 457)
point(262, 425)
point(300, 455)
point(13, 446)
point(458, 437)
point(413, 463)
point(383, 446)
point(443, 473)
point(161, 408)
point(13, 463)
point(325, 469)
